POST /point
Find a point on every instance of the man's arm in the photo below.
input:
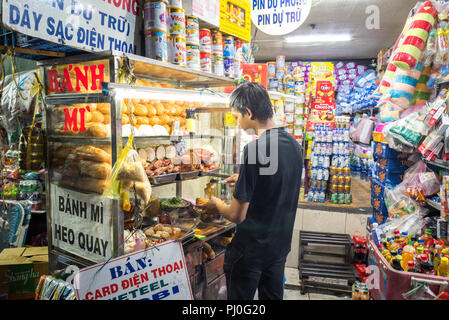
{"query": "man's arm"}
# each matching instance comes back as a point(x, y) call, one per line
point(235, 212)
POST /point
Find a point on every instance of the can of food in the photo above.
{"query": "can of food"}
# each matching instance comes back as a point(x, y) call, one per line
point(217, 64)
point(289, 130)
point(193, 56)
point(156, 45)
point(177, 21)
point(347, 188)
point(348, 180)
point(271, 69)
point(290, 82)
point(289, 117)
point(176, 3)
point(280, 74)
point(228, 66)
point(205, 61)
point(290, 91)
point(192, 30)
point(155, 16)
point(169, 50)
point(177, 50)
point(205, 41)
point(217, 43)
point(238, 69)
point(280, 62)
point(272, 84)
point(238, 49)
point(228, 47)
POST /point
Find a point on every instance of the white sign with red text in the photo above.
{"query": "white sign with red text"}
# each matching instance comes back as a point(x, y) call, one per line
point(153, 273)
point(92, 25)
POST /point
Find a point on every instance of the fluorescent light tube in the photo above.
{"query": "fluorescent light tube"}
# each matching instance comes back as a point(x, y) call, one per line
point(310, 38)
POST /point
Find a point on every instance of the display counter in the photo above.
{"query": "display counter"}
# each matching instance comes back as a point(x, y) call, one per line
point(173, 118)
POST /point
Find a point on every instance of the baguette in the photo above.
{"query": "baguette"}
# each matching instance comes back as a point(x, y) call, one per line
point(92, 153)
point(98, 170)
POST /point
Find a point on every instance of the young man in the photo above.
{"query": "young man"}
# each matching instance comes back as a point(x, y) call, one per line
point(265, 200)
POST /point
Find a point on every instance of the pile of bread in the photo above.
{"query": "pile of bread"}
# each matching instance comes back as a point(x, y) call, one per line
point(149, 117)
point(85, 168)
point(97, 120)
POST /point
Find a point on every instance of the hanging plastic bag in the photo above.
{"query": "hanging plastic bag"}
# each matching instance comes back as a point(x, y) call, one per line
point(112, 189)
point(399, 204)
point(408, 131)
point(420, 177)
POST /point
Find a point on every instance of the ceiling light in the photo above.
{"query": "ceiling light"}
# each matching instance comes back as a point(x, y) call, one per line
point(310, 38)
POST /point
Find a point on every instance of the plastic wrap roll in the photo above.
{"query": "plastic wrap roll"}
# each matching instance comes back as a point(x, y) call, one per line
point(404, 85)
point(414, 42)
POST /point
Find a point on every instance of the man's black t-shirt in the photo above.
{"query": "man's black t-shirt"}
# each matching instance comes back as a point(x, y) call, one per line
point(269, 179)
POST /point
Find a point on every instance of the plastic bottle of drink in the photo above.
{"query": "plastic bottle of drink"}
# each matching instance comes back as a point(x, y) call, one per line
point(426, 265)
point(437, 256)
point(411, 266)
point(364, 294)
point(404, 239)
point(356, 294)
point(322, 196)
point(443, 268)
point(396, 263)
point(385, 252)
point(408, 253)
point(397, 236)
point(310, 195)
point(427, 236)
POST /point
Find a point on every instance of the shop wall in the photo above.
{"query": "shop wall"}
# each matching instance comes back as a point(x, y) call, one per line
point(20, 65)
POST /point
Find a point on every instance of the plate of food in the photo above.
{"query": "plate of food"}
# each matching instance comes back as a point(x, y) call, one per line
point(168, 232)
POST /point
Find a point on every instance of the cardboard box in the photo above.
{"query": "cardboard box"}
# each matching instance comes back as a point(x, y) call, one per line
point(20, 270)
point(394, 165)
point(382, 150)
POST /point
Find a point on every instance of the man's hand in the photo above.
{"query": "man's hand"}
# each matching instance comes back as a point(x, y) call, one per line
point(211, 206)
point(232, 179)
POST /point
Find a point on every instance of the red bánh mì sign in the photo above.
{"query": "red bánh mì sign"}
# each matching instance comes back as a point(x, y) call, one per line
point(77, 78)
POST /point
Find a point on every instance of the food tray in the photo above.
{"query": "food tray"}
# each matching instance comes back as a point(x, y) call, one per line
point(188, 175)
point(205, 229)
point(207, 172)
point(163, 178)
point(188, 233)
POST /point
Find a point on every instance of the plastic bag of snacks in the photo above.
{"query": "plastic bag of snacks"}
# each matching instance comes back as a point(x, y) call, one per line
point(420, 177)
point(128, 175)
point(409, 130)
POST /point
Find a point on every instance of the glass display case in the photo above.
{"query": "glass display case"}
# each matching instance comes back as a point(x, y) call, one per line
point(94, 103)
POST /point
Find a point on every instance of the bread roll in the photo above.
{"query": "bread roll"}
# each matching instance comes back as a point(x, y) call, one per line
point(96, 130)
point(143, 191)
point(160, 109)
point(165, 119)
point(142, 120)
point(151, 110)
point(91, 185)
point(125, 119)
point(107, 119)
point(92, 153)
point(98, 170)
point(104, 108)
point(125, 108)
point(154, 121)
point(97, 116)
point(140, 110)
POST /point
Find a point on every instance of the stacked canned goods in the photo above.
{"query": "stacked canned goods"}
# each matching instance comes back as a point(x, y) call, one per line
point(228, 56)
point(272, 80)
point(217, 53)
point(298, 128)
point(193, 42)
point(340, 188)
point(155, 30)
point(319, 164)
point(177, 34)
point(238, 59)
point(276, 74)
point(206, 50)
point(289, 111)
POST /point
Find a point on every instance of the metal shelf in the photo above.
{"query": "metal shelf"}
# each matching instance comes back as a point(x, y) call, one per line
point(146, 67)
point(438, 163)
point(79, 140)
point(434, 204)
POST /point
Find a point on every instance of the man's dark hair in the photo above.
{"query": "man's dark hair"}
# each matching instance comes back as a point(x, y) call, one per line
point(252, 95)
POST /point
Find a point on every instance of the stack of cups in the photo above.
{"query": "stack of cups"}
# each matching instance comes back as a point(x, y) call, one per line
point(238, 59)
point(193, 42)
point(228, 56)
point(155, 30)
point(205, 50)
point(177, 34)
point(217, 53)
